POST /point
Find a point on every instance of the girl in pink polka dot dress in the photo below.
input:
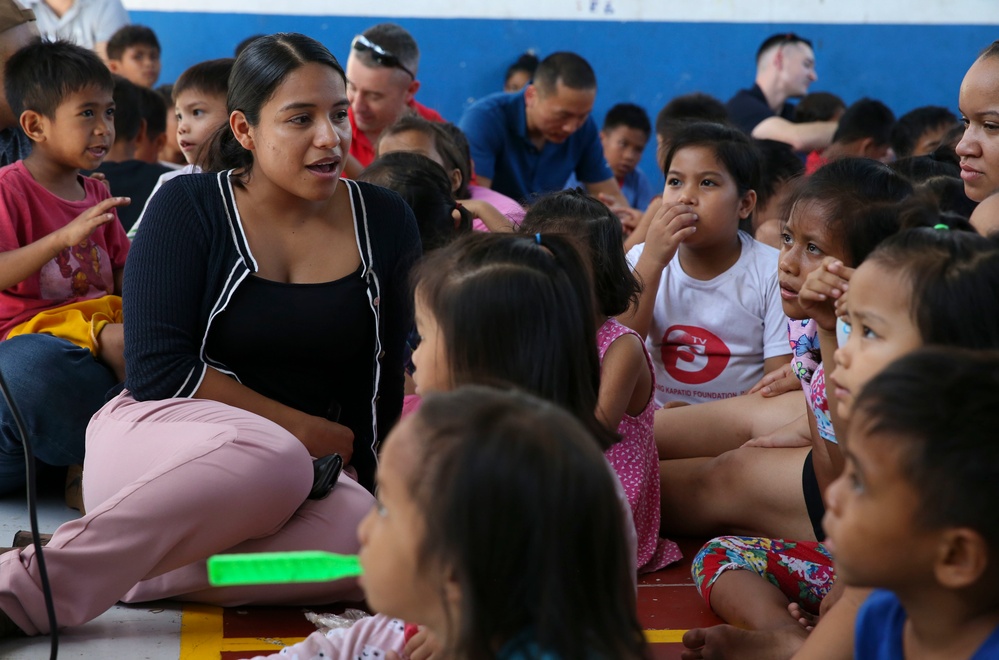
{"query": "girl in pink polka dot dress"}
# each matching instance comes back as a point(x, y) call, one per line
point(627, 379)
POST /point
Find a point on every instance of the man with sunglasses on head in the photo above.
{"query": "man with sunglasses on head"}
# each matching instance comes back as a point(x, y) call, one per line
point(785, 67)
point(381, 85)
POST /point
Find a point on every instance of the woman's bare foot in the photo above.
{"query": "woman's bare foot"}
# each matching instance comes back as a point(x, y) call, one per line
point(727, 641)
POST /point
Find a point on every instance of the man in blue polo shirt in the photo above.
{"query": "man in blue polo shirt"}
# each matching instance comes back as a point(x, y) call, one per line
point(530, 142)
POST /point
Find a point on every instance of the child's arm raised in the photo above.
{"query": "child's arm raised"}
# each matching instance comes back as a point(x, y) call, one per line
point(488, 214)
point(824, 286)
point(21, 263)
point(669, 227)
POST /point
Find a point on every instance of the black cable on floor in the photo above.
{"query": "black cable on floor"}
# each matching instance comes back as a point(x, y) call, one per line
point(29, 459)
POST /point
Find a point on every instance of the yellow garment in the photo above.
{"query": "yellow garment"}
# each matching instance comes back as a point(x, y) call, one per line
point(80, 322)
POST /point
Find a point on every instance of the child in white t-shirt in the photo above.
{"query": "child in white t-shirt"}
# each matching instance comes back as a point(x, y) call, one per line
point(711, 311)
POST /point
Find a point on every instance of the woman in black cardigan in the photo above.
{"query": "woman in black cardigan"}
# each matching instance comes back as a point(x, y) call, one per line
point(266, 310)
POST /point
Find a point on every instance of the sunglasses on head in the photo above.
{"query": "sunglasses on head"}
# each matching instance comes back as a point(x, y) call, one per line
point(381, 56)
point(792, 38)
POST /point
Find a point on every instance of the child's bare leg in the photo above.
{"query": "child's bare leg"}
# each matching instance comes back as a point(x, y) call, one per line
point(711, 429)
point(747, 600)
point(111, 349)
point(750, 491)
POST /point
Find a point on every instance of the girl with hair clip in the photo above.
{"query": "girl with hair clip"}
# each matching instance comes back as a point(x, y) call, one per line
point(211, 446)
point(625, 401)
point(924, 286)
point(469, 463)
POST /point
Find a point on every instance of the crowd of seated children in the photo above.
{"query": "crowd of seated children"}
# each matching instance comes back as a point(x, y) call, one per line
point(687, 372)
point(923, 286)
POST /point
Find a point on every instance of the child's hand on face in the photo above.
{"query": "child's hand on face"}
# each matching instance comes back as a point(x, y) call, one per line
point(822, 288)
point(84, 224)
point(671, 225)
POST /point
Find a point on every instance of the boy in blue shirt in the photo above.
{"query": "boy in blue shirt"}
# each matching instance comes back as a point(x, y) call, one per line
point(623, 137)
point(913, 514)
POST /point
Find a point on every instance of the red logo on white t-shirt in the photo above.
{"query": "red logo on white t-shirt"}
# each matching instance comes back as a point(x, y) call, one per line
point(693, 355)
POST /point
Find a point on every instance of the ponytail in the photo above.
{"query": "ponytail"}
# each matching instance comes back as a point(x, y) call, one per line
point(223, 152)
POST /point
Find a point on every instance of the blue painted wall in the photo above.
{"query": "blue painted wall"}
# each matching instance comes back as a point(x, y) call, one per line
point(647, 63)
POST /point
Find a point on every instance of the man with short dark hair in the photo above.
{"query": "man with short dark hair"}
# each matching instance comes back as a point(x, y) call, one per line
point(17, 29)
point(785, 67)
point(530, 142)
point(381, 86)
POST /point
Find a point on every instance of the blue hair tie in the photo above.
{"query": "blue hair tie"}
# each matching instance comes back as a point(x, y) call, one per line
point(941, 227)
point(537, 238)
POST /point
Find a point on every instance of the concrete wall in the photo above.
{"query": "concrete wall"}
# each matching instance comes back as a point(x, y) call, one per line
point(904, 53)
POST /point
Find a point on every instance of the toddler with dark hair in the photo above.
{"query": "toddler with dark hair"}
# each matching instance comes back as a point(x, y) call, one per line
point(913, 513)
point(199, 96)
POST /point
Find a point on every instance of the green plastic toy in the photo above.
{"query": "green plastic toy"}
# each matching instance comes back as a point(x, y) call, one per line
point(280, 568)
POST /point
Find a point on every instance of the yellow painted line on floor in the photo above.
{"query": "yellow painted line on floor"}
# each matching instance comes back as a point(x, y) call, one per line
point(200, 632)
point(201, 636)
point(664, 636)
point(258, 644)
